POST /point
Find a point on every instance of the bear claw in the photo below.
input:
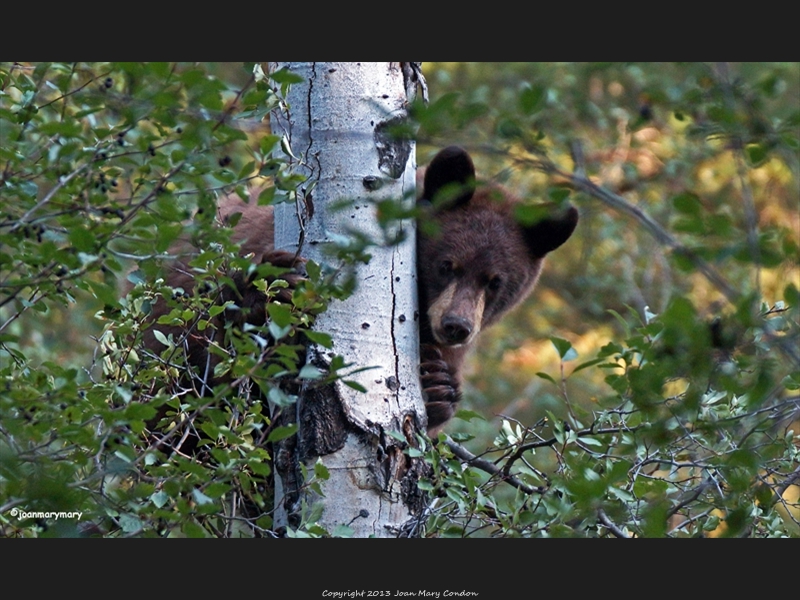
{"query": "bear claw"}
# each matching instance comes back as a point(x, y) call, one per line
point(439, 385)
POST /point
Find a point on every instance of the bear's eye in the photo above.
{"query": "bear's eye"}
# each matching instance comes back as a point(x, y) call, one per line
point(494, 283)
point(445, 268)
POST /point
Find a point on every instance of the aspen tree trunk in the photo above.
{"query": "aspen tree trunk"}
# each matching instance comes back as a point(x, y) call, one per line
point(335, 123)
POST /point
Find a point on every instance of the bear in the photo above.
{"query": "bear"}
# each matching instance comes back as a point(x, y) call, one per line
point(478, 264)
point(475, 262)
point(254, 231)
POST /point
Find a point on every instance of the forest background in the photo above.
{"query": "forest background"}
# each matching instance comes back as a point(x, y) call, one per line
point(649, 387)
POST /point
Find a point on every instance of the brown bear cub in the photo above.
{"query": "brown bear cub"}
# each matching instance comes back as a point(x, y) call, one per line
point(478, 265)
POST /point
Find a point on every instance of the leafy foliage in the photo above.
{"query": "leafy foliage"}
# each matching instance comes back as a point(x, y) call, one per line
point(686, 443)
point(649, 389)
point(680, 296)
point(105, 165)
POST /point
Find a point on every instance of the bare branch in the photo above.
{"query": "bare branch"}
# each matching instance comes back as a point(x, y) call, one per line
point(490, 468)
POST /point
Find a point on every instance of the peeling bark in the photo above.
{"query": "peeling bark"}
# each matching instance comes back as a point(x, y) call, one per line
point(340, 125)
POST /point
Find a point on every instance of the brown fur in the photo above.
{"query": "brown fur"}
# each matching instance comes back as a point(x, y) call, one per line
point(255, 231)
point(479, 265)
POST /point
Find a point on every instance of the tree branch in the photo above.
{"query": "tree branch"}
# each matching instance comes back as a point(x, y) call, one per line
point(490, 468)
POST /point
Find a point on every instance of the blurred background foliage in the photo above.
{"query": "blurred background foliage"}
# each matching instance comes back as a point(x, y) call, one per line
point(684, 267)
point(662, 135)
point(648, 387)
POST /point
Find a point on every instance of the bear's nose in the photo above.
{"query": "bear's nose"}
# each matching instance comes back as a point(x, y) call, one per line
point(456, 329)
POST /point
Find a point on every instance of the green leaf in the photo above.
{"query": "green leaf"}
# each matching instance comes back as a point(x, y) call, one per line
point(590, 441)
point(159, 498)
point(217, 489)
point(139, 411)
point(83, 239)
point(712, 522)
point(286, 76)
point(342, 531)
point(193, 530)
point(281, 432)
point(136, 276)
point(688, 203)
point(200, 497)
point(756, 154)
point(281, 314)
point(467, 415)
point(287, 149)
point(355, 385)
point(587, 364)
point(564, 349)
point(547, 377)
point(310, 372)
point(559, 195)
point(130, 523)
point(267, 196)
point(530, 214)
point(396, 435)
point(267, 143)
point(277, 332)
point(161, 337)
point(321, 471)
point(320, 337)
point(531, 99)
point(219, 308)
point(277, 396)
point(791, 295)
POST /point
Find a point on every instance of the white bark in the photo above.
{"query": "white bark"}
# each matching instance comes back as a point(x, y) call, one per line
point(331, 126)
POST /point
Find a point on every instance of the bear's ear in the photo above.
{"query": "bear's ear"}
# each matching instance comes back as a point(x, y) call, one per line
point(549, 233)
point(449, 179)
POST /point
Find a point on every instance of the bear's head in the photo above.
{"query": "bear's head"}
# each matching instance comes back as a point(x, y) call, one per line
point(478, 261)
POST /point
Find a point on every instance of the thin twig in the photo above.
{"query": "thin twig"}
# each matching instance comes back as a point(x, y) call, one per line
point(488, 467)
